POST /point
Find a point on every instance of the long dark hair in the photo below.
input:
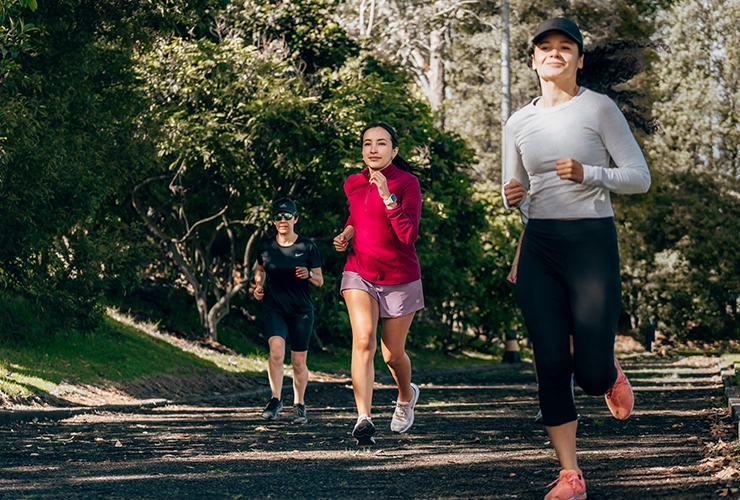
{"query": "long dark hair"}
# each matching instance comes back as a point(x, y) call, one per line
point(398, 160)
point(606, 66)
point(613, 63)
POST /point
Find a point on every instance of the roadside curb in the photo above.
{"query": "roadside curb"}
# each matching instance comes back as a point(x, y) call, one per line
point(732, 394)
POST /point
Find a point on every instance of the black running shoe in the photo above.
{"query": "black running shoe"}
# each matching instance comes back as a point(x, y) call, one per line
point(300, 414)
point(272, 409)
point(364, 431)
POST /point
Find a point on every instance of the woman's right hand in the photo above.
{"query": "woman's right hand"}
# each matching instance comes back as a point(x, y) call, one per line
point(259, 292)
point(514, 192)
point(341, 241)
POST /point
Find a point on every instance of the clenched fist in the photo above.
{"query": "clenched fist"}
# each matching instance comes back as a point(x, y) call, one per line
point(514, 192)
point(569, 169)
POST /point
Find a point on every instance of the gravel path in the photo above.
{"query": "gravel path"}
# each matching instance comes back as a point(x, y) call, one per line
point(474, 437)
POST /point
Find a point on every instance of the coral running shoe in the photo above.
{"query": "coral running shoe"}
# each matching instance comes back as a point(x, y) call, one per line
point(569, 486)
point(620, 398)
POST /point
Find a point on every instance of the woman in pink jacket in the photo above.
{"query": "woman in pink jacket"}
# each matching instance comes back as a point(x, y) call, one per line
point(382, 276)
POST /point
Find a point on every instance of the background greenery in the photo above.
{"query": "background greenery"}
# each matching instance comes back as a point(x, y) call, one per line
point(141, 144)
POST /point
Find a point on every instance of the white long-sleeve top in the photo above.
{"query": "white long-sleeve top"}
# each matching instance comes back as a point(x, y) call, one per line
point(589, 128)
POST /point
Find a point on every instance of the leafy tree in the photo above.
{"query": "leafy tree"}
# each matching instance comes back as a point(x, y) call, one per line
point(239, 118)
point(691, 282)
point(231, 124)
point(70, 151)
point(14, 33)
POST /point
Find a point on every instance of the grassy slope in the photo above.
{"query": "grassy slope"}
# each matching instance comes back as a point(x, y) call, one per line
point(119, 351)
point(115, 352)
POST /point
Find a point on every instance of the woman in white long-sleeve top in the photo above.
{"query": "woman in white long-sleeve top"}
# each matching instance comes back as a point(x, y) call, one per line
point(557, 171)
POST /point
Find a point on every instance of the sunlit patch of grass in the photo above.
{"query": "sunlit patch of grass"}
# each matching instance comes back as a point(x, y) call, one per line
point(225, 361)
point(15, 383)
point(13, 390)
point(119, 350)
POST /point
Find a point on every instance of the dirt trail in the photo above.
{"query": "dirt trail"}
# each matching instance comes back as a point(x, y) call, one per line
point(474, 437)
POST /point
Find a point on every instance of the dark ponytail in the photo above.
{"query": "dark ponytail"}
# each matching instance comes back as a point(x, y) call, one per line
point(398, 160)
point(608, 65)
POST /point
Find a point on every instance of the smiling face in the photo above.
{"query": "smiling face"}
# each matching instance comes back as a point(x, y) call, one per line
point(377, 148)
point(557, 57)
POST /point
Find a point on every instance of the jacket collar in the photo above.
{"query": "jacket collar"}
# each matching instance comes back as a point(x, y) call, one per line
point(388, 171)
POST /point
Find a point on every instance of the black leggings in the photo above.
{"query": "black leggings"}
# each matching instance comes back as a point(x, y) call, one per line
point(568, 283)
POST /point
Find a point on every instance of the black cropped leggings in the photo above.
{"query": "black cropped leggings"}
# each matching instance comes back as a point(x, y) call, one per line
point(568, 283)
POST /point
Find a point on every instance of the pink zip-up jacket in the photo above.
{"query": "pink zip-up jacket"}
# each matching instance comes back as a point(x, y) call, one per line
point(382, 250)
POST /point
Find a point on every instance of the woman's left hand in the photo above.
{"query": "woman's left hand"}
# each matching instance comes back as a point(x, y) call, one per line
point(511, 278)
point(569, 169)
point(302, 273)
point(381, 182)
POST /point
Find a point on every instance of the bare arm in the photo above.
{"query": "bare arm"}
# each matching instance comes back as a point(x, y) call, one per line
point(511, 278)
point(259, 280)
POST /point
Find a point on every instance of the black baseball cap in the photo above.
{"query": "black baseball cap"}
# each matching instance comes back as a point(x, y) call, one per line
point(562, 25)
point(284, 205)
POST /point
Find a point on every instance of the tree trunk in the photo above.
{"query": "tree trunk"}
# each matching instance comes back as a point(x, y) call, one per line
point(436, 71)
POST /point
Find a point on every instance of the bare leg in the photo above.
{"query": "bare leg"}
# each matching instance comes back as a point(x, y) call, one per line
point(363, 315)
point(563, 439)
point(300, 376)
point(393, 345)
point(275, 365)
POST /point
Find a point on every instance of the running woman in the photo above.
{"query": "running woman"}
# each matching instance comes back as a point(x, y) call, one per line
point(382, 277)
point(558, 148)
point(286, 264)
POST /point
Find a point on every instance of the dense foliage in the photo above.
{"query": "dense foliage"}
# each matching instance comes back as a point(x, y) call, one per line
point(141, 144)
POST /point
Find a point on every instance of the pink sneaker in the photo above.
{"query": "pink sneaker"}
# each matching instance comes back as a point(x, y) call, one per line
point(569, 486)
point(620, 398)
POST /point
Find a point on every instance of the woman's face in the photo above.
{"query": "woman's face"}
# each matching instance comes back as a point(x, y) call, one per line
point(556, 57)
point(377, 148)
point(284, 222)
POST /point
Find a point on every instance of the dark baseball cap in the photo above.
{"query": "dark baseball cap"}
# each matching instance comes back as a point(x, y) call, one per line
point(559, 24)
point(284, 205)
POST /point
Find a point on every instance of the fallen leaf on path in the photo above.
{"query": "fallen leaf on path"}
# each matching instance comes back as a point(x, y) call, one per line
point(725, 492)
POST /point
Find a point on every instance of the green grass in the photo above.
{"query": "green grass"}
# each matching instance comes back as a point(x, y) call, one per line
point(33, 359)
point(734, 358)
point(112, 353)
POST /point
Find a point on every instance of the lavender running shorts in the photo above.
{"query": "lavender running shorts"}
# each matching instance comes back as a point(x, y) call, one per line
point(394, 301)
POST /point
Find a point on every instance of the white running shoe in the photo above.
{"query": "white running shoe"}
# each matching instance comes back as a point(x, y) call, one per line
point(403, 417)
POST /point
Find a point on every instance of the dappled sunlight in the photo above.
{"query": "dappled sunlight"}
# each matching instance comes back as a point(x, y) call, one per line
point(463, 432)
point(15, 383)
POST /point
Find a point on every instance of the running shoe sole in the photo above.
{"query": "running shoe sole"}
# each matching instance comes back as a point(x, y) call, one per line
point(364, 433)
